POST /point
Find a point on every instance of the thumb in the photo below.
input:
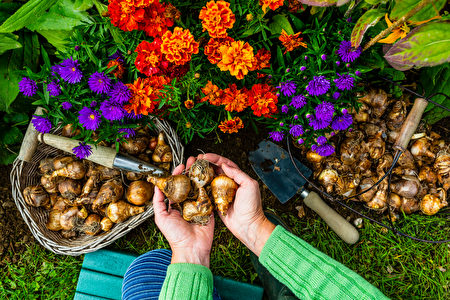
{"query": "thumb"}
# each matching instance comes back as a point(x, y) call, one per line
point(159, 206)
point(239, 176)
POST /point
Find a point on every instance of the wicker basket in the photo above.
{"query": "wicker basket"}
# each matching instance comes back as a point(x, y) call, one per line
point(25, 173)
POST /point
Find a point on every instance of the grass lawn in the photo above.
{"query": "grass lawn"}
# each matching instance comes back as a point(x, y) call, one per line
point(400, 267)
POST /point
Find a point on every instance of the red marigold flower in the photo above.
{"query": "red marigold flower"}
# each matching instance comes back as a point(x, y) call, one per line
point(179, 46)
point(236, 58)
point(212, 94)
point(231, 126)
point(216, 18)
point(212, 48)
point(263, 100)
point(272, 4)
point(261, 60)
point(149, 59)
point(119, 69)
point(145, 94)
point(234, 99)
point(291, 41)
point(156, 20)
point(125, 15)
point(189, 104)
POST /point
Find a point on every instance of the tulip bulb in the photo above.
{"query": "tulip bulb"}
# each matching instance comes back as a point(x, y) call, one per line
point(120, 211)
point(198, 211)
point(421, 148)
point(92, 224)
point(74, 170)
point(162, 152)
point(49, 183)
point(432, 203)
point(54, 218)
point(223, 190)
point(328, 179)
point(111, 191)
point(201, 173)
point(36, 196)
point(106, 224)
point(46, 166)
point(175, 187)
point(135, 145)
point(408, 187)
point(139, 192)
point(73, 218)
point(62, 162)
point(409, 205)
point(69, 188)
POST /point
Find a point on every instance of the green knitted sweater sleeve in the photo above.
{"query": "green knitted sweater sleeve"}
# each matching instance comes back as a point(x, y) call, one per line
point(309, 273)
point(187, 282)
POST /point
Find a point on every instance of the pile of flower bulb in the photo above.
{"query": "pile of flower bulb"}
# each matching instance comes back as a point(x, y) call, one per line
point(421, 177)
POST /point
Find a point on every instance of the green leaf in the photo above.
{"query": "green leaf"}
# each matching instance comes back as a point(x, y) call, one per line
point(8, 41)
point(367, 20)
point(279, 23)
point(403, 6)
point(25, 15)
point(425, 46)
point(372, 2)
point(58, 38)
point(15, 118)
point(83, 5)
point(10, 62)
point(11, 135)
point(62, 16)
point(7, 10)
point(436, 80)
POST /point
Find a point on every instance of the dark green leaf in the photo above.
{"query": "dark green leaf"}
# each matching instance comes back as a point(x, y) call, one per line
point(8, 41)
point(403, 6)
point(58, 38)
point(367, 20)
point(10, 62)
point(15, 118)
point(279, 23)
point(11, 135)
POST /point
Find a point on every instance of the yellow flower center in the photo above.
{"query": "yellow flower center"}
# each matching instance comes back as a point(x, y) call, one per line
point(73, 69)
point(92, 117)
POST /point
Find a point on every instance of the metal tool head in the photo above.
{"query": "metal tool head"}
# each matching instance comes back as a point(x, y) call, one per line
point(129, 163)
point(273, 165)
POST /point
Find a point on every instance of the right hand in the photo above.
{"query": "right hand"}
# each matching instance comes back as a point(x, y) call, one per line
point(245, 217)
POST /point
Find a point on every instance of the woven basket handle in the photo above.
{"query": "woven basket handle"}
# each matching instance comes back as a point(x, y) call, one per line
point(30, 141)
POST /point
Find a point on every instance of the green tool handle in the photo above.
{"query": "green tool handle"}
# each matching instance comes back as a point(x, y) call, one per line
point(341, 226)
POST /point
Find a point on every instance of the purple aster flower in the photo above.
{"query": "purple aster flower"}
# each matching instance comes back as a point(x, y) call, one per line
point(295, 117)
point(111, 111)
point(93, 104)
point(349, 19)
point(321, 140)
point(288, 70)
point(302, 68)
point(313, 147)
point(300, 141)
point(332, 133)
point(323, 57)
point(288, 88)
point(77, 48)
point(318, 86)
point(281, 124)
point(89, 118)
point(69, 71)
point(344, 82)
point(318, 124)
point(119, 93)
point(358, 73)
point(347, 53)
point(82, 150)
point(342, 122)
point(117, 55)
point(54, 89)
point(276, 136)
point(42, 124)
point(324, 111)
point(99, 83)
point(66, 105)
point(284, 109)
point(336, 95)
point(298, 101)
point(27, 86)
point(129, 132)
point(55, 70)
point(325, 150)
point(296, 130)
point(344, 111)
point(133, 116)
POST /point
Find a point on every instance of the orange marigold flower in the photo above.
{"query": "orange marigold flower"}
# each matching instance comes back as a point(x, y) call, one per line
point(295, 6)
point(212, 94)
point(263, 100)
point(231, 126)
point(189, 104)
point(125, 15)
point(272, 4)
point(291, 41)
point(236, 58)
point(212, 48)
point(216, 18)
point(119, 69)
point(145, 94)
point(156, 20)
point(149, 58)
point(234, 99)
point(172, 12)
point(179, 46)
point(261, 60)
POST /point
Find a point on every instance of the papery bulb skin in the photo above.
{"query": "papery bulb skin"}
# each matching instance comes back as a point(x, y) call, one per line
point(432, 203)
point(421, 147)
point(162, 152)
point(328, 179)
point(121, 211)
point(69, 188)
point(201, 173)
point(73, 218)
point(36, 196)
point(198, 211)
point(92, 224)
point(223, 190)
point(74, 170)
point(110, 191)
point(139, 192)
point(106, 224)
point(175, 187)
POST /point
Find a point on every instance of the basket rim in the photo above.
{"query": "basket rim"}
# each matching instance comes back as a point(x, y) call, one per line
point(101, 240)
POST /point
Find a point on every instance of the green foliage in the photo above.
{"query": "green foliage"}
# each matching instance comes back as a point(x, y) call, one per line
point(425, 46)
point(436, 80)
point(8, 41)
point(26, 15)
point(11, 135)
point(367, 20)
point(401, 7)
point(280, 22)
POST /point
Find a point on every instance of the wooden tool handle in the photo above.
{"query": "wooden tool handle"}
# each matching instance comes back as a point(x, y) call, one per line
point(411, 123)
point(100, 155)
point(341, 226)
point(30, 142)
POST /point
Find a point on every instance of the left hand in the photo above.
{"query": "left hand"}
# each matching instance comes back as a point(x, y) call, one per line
point(190, 243)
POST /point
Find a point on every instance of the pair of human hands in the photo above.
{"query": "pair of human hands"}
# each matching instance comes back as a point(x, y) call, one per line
point(191, 243)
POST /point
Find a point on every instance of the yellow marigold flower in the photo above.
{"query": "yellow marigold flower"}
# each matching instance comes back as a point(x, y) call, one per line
point(189, 104)
point(234, 99)
point(249, 17)
point(178, 46)
point(216, 18)
point(291, 41)
point(272, 4)
point(231, 126)
point(237, 58)
point(397, 33)
point(212, 48)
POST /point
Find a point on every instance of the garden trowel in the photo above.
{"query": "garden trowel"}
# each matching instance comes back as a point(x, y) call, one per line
point(273, 165)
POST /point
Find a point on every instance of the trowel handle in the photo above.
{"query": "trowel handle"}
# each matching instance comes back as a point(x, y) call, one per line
point(341, 226)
